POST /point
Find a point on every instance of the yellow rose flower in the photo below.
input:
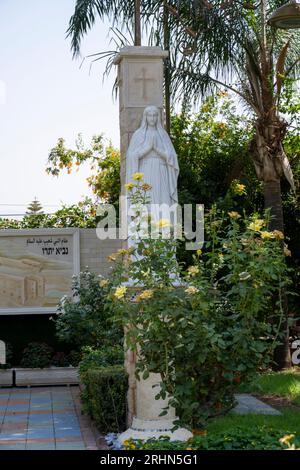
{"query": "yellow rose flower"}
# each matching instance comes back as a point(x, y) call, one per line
point(191, 290)
point(286, 251)
point(199, 252)
point(234, 215)
point(278, 234)
point(256, 225)
point(103, 283)
point(138, 176)
point(127, 444)
point(129, 186)
point(122, 251)
point(147, 294)
point(286, 439)
point(238, 188)
point(266, 234)
point(193, 270)
point(120, 292)
point(163, 223)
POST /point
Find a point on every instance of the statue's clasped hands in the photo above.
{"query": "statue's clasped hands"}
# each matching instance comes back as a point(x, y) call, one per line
point(156, 148)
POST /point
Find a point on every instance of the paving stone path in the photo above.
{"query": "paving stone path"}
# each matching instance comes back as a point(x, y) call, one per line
point(43, 418)
point(249, 404)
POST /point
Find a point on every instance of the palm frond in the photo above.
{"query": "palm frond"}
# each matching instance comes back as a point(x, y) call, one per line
point(87, 11)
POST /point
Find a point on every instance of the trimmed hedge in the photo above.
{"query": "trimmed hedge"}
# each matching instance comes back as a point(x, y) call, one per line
point(105, 397)
point(94, 358)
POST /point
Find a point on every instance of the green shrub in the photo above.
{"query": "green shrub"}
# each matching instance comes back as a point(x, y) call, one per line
point(105, 397)
point(37, 355)
point(256, 438)
point(94, 358)
point(82, 318)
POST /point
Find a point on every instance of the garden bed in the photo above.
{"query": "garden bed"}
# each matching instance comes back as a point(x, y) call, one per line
point(47, 376)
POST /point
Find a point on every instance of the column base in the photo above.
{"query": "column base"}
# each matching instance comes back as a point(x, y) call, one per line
point(148, 429)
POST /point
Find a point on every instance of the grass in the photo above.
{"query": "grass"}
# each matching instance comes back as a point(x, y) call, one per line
point(272, 384)
point(277, 384)
point(288, 422)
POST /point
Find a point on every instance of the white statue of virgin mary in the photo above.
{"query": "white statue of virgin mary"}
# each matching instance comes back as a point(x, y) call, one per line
point(151, 152)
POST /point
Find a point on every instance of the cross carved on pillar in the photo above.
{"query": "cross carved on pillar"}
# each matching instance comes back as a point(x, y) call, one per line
point(144, 82)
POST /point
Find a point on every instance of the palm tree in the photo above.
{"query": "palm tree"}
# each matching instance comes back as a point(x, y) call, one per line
point(234, 47)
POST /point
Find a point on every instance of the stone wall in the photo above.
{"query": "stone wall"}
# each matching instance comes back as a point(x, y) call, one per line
point(37, 265)
point(94, 252)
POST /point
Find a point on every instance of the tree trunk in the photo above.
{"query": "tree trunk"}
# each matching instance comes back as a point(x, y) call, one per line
point(272, 196)
point(282, 354)
point(273, 201)
point(137, 23)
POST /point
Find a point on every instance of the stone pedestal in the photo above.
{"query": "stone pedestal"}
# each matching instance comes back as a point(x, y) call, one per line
point(147, 423)
point(140, 81)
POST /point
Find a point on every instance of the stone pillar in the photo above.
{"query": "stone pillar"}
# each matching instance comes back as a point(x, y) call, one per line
point(140, 81)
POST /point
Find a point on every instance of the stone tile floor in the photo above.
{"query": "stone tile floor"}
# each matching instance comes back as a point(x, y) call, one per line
point(43, 418)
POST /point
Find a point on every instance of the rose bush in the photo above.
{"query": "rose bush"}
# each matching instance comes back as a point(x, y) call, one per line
point(207, 329)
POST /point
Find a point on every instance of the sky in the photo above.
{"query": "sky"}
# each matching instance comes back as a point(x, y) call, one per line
point(44, 95)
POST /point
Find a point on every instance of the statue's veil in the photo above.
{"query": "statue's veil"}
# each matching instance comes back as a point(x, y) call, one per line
point(137, 141)
point(144, 125)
